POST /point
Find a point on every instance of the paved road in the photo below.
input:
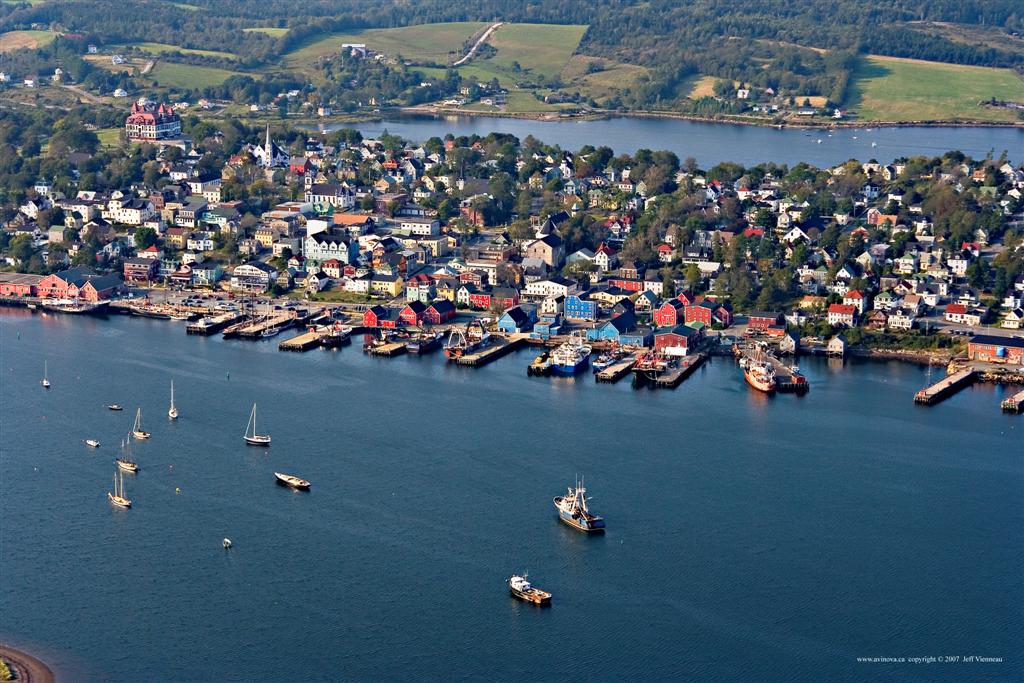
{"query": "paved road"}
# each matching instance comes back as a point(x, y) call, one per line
point(483, 39)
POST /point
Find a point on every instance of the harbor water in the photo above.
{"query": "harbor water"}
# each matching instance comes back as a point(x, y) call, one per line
point(748, 537)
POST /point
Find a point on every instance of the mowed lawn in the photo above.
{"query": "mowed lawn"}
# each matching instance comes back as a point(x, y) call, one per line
point(161, 48)
point(440, 43)
point(19, 40)
point(894, 89)
point(538, 49)
point(182, 76)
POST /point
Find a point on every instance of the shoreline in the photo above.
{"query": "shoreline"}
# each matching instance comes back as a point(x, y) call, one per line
point(26, 668)
point(602, 115)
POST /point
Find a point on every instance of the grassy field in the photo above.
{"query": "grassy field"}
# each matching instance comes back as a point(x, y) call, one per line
point(109, 137)
point(440, 43)
point(174, 75)
point(603, 84)
point(161, 48)
point(893, 89)
point(539, 49)
point(699, 86)
point(268, 30)
point(19, 40)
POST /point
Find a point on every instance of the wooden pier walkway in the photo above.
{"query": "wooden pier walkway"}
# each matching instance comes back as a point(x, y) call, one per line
point(674, 377)
point(387, 350)
point(303, 342)
point(1014, 404)
point(492, 352)
point(256, 329)
point(616, 371)
point(946, 386)
point(785, 378)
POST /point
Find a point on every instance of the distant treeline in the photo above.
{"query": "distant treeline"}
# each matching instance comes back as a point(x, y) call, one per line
point(767, 43)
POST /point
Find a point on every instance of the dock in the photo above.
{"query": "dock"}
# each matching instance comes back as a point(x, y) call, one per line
point(947, 386)
point(256, 329)
point(616, 371)
point(387, 350)
point(213, 324)
point(675, 376)
point(1013, 404)
point(785, 377)
point(491, 353)
point(303, 342)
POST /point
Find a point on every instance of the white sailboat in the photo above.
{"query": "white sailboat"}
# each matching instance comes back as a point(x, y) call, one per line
point(117, 496)
point(137, 431)
point(46, 380)
point(173, 412)
point(251, 437)
point(125, 462)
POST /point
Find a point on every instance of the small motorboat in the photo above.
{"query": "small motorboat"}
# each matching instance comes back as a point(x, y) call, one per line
point(92, 443)
point(114, 406)
point(292, 481)
point(521, 588)
point(227, 543)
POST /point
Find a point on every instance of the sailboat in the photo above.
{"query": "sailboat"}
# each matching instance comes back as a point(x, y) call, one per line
point(117, 497)
point(173, 412)
point(251, 437)
point(46, 380)
point(137, 430)
point(125, 462)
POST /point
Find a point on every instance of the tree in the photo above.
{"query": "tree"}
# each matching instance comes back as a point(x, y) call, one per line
point(21, 248)
point(145, 238)
point(693, 276)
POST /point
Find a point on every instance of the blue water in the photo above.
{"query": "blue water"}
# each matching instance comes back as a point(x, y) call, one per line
point(749, 538)
point(711, 143)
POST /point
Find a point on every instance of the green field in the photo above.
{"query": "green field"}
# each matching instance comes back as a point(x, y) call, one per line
point(539, 49)
point(268, 30)
point(606, 83)
point(892, 89)
point(109, 137)
point(173, 75)
point(440, 43)
point(161, 48)
point(19, 40)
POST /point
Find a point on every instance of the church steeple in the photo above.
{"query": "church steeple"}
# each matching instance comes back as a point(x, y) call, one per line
point(267, 147)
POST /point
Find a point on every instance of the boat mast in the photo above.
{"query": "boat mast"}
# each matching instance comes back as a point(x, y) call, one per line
point(172, 394)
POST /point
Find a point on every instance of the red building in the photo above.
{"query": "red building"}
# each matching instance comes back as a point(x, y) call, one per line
point(669, 314)
point(676, 342)
point(628, 284)
point(439, 312)
point(19, 284)
point(993, 349)
point(761, 321)
point(700, 312)
point(413, 313)
point(78, 283)
point(141, 269)
point(149, 122)
point(381, 316)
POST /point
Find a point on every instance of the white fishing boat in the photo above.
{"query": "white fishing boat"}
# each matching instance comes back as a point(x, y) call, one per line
point(292, 481)
point(251, 437)
point(117, 496)
point(137, 431)
point(173, 411)
point(92, 443)
point(46, 380)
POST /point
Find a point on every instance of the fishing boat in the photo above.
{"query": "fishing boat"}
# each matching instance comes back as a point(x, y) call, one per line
point(117, 496)
point(291, 481)
point(463, 342)
point(606, 359)
point(114, 406)
point(137, 431)
point(570, 358)
point(541, 366)
point(173, 411)
point(46, 379)
point(270, 332)
point(251, 437)
point(572, 509)
point(75, 307)
point(424, 342)
point(92, 443)
point(758, 372)
point(125, 462)
point(521, 588)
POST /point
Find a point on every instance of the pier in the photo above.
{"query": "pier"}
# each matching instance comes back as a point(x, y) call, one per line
point(1013, 404)
point(255, 330)
point(389, 349)
point(213, 324)
point(304, 342)
point(616, 371)
point(947, 386)
point(491, 353)
point(673, 377)
point(786, 379)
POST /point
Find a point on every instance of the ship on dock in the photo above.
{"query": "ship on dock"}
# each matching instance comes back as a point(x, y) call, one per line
point(521, 588)
point(540, 366)
point(424, 342)
point(758, 370)
point(569, 358)
point(607, 359)
point(572, 509)
point(462, 342)
point(75, 307)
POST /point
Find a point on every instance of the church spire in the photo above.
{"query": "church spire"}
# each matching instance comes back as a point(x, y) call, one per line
point(266, 146)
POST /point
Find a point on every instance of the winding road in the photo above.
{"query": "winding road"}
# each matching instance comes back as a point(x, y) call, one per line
point(483, 39)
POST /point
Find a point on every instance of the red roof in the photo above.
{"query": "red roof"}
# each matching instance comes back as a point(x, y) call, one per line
point(956, 308)
point(854, 294)
point(842, 308)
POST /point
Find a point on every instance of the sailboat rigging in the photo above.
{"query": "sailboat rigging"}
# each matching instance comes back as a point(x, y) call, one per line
point(117, 496)
point(251, 437)
point(125, 462)
point(173, 412)
point(46, 380)
point(137, 431)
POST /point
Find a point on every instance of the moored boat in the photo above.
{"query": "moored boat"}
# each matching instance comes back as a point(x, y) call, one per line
point(114, 406)
point(463, 342)
point(291, 481)
point(251, 437)
point(572, 509)
point(570, 358)
point(424, 342)
point(46, 380)
point(137, 431)
point(125, 462)
point(541, 365)
point(758, 371)
point(92, 443)
point(521, 588)
point(172, 412)
point(117, 496)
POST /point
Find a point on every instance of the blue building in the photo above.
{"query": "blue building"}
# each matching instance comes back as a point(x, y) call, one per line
point(613, 329)
point(578, 308)
point(518, 319)
point(641, 336)
point(548, 326)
